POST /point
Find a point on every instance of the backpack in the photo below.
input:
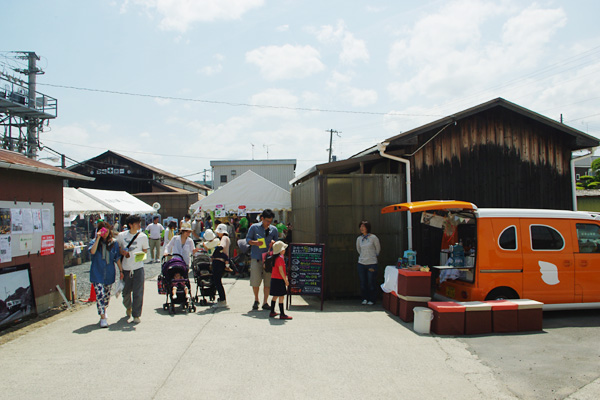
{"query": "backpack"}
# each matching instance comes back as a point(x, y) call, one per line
point(269, 261)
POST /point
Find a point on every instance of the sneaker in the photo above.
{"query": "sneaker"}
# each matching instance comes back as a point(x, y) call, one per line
point(136, 320)
point(266, 306)
point(285, 317)
point(128, 312)
point(370, 303)
point(273, 314)
point(255, 305)
point(364, 302)
point(103, 323)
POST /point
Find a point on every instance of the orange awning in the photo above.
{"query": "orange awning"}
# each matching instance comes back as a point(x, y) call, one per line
point(418, 206)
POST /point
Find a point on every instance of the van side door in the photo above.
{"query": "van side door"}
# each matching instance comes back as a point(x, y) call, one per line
point(548, 262)
point(587, 261)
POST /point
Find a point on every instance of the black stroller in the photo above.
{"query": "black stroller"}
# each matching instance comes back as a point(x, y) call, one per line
point(241, 263)
point(166, 283)
point(201, 266)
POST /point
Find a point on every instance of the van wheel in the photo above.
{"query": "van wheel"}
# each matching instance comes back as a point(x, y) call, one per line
point(502, 293)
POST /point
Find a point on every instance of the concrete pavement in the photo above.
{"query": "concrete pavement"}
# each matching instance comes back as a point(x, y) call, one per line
point(347, 351)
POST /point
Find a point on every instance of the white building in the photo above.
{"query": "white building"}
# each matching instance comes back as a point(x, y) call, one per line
point(280, 172)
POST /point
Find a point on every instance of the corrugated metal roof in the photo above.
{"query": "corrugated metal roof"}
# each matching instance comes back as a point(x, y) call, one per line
point(13, 160)
point(253, 162)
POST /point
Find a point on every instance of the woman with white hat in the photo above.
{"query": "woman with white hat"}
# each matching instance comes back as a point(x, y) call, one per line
point(224, 240)
point(182, 244)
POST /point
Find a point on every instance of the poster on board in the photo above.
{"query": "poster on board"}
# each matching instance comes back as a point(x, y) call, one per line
point(16, 221)
point(5, 250)
point(241, 211)
point(36, 215)
point(4, 221)
point(220, 211)
point(47, 245)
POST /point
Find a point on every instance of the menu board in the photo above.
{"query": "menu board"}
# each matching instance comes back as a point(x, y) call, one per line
point(306, 269)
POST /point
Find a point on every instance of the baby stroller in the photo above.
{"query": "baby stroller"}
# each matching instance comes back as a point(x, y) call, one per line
point(167, 281)
point(201, 266)
point(241, 263)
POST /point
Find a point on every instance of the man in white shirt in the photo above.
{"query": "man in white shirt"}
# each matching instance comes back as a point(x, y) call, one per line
point(133, 243)
point(154, 229)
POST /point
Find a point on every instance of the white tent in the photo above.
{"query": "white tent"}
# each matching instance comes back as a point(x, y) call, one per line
point(250, 190)
point(75, 202)
point(118, 201)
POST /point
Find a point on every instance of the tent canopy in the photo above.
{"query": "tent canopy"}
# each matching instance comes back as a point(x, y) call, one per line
point(119, 202)
point(75, 202)
point(250, 190)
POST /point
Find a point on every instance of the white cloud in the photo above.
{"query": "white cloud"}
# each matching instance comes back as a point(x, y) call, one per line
point(286, 62)
point(275, 97)
point(214, 69)
point(179, 15)
point(449, 51)
point(353, 49)
point(283, 28)
point(361, 97)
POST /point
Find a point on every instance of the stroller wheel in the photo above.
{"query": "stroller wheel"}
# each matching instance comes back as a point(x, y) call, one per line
point(165, 306)
point(203, 302)
point(172, 309)
point(193, 308)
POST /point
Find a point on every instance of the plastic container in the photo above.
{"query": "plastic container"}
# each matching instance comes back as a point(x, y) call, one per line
point(423, 317)
point(411, 256)
point(458, 255)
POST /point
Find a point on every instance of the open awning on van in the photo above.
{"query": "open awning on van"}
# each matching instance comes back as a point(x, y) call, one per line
point(418, 206)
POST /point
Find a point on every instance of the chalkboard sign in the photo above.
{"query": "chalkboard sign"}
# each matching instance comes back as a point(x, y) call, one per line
point(305, 270)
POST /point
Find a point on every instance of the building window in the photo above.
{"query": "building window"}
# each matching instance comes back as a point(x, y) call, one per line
point(223, 178)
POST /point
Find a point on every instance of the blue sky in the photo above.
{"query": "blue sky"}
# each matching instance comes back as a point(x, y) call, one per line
point(213, 77)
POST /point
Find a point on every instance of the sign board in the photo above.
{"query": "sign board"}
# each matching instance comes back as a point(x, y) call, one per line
point(306, 270)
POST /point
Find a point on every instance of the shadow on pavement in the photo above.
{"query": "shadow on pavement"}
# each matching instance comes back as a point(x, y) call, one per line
point(572, 319)
point(120, 325)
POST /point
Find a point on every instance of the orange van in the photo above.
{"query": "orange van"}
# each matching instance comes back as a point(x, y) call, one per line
point(552, 256)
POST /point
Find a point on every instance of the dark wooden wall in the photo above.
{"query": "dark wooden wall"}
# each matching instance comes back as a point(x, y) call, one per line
point(138, 180)
point(496, 158)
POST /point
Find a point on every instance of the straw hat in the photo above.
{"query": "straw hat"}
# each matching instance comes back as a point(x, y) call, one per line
point(279, 246)
point(209, 235)
point(185, 226)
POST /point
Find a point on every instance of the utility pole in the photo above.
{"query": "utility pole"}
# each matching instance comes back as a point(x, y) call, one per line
point(252, 150)
point(32, 72)
point(331, 132)
point(266, 146)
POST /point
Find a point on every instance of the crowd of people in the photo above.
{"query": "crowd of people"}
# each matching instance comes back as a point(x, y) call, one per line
point(128, 250)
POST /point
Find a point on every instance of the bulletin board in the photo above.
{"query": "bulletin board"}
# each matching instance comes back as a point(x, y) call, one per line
point(26, 228)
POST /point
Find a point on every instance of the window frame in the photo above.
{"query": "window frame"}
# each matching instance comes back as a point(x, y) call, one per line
point(516, 238)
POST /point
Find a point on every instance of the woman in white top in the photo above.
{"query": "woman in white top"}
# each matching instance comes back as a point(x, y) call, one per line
point(182, 244)
point(368, 248)
point(225, 242)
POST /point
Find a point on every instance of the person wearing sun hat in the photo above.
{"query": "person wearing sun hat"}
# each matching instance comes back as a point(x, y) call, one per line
point(182, 244)
point(210, 241)
point(279, 281)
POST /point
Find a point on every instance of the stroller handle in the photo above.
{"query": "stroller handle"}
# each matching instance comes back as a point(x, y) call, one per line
point(172, 255)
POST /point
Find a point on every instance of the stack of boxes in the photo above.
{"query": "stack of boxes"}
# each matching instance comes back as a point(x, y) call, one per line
point(477, 317)
point(414, 289)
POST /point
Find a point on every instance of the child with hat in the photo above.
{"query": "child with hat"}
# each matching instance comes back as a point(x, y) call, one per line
point(279, 281)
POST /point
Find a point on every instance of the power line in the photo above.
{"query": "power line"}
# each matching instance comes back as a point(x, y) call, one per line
point(233, 104)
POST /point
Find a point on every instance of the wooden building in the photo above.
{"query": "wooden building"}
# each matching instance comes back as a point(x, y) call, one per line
point(31, 211)
point(496, 154)
point(115, 171)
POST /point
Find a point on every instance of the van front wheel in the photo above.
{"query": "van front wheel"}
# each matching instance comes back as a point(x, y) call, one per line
point(502, 293)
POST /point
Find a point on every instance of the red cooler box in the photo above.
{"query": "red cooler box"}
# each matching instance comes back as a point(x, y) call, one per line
point(386, 300)
point(504, 316)
point(529, 315)
point(414, 283)
point(448, 318)
point(478, 317)
point(394, 303)
point(406, 305)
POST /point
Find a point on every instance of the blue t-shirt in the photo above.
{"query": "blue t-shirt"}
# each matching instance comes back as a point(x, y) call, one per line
point(257, 231)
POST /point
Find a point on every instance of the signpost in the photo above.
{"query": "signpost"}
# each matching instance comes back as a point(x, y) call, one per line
point(306, 270)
